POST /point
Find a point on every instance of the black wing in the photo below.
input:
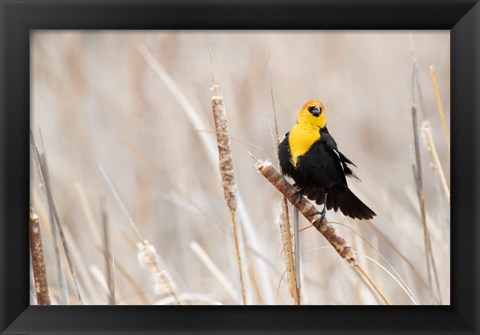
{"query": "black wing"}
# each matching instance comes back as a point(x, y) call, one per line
point(331, 146)
point(284, 157)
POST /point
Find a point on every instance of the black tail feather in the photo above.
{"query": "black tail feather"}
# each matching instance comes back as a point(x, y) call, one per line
point(341, 198)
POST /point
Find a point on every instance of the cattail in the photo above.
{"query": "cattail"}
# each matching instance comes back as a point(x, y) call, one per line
point(148, 257)
point(290, 257)
point(38, 261)
point(224, 151)
point(227, 174)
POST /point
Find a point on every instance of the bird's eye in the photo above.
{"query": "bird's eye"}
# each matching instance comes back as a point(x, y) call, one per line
point(311, 108)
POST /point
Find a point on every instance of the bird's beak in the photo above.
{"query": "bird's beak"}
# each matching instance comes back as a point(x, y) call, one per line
point(315, 111)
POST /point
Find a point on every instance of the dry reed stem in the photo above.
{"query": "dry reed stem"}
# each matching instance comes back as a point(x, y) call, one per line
point(293, 274)
point(61, 280)
point(41, 159)
point(436, 161)
point(371, 282)
point(255, 284)
point(228, 175)
point(416, 78)
point(309, 211)
point(120, 202)
point(296, 254)
point(88, 213)
point(148, 257)
point(38, 261)
point(99, 276)
point(417, 171)
point(292, 263)
point(92, 225)
point(438, 99)
point(128, 278)
point(390, 243)
point(82, 270)
point(214, 269)
point(109, 264)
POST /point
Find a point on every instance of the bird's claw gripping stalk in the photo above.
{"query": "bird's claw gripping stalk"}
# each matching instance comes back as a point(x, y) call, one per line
point(298, 195)
point(322, 213)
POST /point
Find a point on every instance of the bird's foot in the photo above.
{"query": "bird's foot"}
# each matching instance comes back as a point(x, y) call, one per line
point(298, 195)
point(322, 214)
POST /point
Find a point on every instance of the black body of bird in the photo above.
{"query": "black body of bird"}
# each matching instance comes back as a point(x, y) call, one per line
point(309, 155)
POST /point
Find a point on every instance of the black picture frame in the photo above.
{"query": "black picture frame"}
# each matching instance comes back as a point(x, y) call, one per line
point(19, 17)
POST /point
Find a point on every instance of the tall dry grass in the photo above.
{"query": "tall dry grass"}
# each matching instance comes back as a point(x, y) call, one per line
point(138, 104)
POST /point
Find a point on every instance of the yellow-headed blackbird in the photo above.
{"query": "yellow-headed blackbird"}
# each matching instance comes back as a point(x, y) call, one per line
point(310, 156)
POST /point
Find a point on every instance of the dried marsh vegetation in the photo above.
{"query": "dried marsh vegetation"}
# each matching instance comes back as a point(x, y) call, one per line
point(151, 196)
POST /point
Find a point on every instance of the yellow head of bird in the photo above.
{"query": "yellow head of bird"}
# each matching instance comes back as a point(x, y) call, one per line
point(313, 113)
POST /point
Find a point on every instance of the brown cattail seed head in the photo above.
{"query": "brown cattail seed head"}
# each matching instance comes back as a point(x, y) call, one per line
point(224, 152)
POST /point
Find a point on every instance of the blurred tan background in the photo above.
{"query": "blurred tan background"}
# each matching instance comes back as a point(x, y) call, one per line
point(139, 105)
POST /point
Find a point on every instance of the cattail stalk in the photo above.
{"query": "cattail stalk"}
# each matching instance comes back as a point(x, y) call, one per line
point(38, 261)
point(292, 260)
point(287, 250)
point(228, 176)
point(308, 210)
point(438, 99)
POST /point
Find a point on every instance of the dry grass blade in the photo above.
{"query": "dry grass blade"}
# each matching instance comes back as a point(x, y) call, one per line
point(120, 202)
point(228, 175)
point(213, 268)
point(38, 261)
point(372, 282)
point(427, 132)
point(311, 214)
point(395, 275)
point(392, 245)
point(400, 281)
point(293, 265)
point(438, 99)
